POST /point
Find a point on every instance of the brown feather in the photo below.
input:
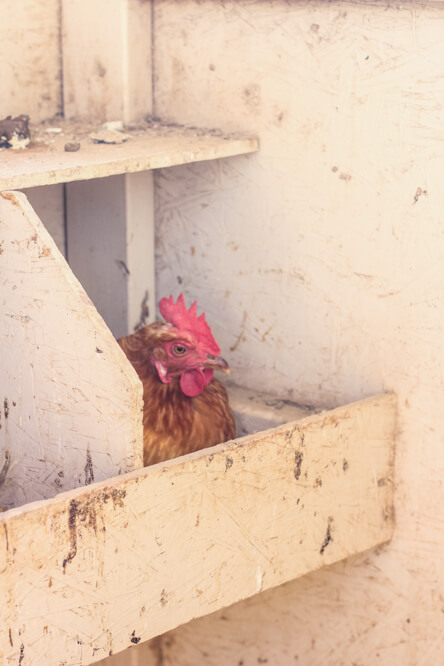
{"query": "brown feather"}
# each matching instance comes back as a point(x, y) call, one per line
point(174, 424)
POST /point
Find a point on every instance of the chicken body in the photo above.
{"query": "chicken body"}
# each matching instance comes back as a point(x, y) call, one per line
point(175, 422)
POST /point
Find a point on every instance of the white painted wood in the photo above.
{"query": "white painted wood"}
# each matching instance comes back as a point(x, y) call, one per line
point(46, 162)
point(329, 285)
point(254, 410)
point(71, 404)
point(49, 204)
point(98, 569)
point(113, 57)
point(106, 59)
point(30, 66)
point(114, 260)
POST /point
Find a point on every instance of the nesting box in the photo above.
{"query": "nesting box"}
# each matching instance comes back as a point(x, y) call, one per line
point(98, 554)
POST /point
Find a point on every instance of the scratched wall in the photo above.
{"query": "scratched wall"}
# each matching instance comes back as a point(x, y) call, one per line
point(319, 263)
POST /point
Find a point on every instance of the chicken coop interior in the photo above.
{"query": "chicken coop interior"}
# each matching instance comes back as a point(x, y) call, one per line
point(280, 163)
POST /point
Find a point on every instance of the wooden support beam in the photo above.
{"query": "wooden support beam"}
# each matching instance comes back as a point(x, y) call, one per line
point(106, 48)
point(99, 569)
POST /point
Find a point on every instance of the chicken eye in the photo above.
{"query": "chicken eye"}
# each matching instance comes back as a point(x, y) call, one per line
point(179, 350)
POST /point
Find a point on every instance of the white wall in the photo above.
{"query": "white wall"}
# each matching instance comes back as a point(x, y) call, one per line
point(320, 264)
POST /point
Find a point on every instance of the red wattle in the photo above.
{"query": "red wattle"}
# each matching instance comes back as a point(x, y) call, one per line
point(193, 381)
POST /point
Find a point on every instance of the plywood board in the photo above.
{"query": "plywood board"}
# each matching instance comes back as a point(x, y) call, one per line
point(71, 403)
point(149, 146)
point(99, 569)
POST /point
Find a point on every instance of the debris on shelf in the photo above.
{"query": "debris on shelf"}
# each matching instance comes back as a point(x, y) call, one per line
point(114, 125)
point(14, 132)
point(109, 136)
point(72, 146)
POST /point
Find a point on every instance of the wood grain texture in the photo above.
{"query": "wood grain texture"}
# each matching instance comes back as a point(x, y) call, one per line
point(71, 404)
point(99, 569)
point(161, 146)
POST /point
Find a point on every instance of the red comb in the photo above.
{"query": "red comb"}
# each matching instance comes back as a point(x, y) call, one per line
point(186, 320)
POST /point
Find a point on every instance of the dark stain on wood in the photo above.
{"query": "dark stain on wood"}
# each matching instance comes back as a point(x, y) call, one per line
point(84, 513)
point(117, 496)
point(89, 469)
point(22, 654)
point(134, 639)
point(5, 467)
point(328, 537)
point(72, 527)
point(144, 312)
point(345, 465)
point(228, 463)
point(6, 407)
point(298, 455)
point(10, 637)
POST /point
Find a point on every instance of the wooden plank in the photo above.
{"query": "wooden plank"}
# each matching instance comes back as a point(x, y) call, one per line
point(70, 401)
point(99, 569)
point(116, 214)
point(110, 233)
point(45, 162)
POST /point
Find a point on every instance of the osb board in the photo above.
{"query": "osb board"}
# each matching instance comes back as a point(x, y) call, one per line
point(99, 569)
point(330, 276)
point(71, 404)
point(150, 145)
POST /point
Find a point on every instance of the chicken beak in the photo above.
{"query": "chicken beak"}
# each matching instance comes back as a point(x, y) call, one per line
point(218, 363)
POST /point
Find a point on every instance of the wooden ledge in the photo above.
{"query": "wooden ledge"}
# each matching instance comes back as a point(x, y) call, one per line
point(98, 569)
point(151, 145)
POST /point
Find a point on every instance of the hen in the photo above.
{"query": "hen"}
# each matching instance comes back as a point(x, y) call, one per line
point(185, 408)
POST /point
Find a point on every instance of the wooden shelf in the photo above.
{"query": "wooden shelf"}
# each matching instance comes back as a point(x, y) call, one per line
point(152, 145)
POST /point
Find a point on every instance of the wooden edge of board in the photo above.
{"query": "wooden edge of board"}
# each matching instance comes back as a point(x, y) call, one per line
point(322, 418)
point(32, 168)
